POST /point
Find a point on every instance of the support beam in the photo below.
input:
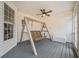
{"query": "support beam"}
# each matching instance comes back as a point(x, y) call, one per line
point(44, 26)
point(34, 20)
point(31, 40)
point(31, 23)
point(48, 31)
point(23, 27)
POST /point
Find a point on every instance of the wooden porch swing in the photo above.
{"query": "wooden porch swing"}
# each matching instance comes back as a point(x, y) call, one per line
point(34, 35)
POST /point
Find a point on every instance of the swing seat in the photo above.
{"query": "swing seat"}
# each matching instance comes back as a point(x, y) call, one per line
point(36, 35)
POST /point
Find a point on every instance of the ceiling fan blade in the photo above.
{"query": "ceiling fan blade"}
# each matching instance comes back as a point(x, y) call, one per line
point(49, 11)
point(47, 14)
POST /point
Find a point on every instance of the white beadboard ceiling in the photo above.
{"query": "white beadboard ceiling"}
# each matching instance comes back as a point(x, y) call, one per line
point(33, 7)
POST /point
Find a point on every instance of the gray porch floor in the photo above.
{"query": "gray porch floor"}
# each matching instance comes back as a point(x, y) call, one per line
point(45, 49)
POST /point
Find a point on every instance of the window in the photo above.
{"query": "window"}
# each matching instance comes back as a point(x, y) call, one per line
point(8, 22)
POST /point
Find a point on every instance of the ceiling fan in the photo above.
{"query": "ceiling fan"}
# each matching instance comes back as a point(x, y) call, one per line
point(44, 13)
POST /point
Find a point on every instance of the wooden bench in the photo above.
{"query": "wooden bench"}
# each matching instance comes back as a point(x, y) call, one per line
point(36, 35)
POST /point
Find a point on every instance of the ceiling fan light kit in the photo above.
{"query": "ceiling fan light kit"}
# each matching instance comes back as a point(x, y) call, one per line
point(44, 13)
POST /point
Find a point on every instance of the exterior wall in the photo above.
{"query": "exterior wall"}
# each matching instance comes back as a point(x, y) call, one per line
point(60, 26)
point(5, 46)
point(19, 27)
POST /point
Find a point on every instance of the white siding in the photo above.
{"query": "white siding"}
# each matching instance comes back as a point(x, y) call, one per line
point(5, 46)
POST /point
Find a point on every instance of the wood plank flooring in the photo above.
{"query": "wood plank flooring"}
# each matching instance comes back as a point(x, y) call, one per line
point(45, 49)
